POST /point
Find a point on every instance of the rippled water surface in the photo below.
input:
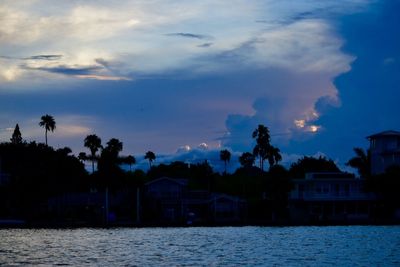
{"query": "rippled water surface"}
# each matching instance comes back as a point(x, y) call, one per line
point(224, 246)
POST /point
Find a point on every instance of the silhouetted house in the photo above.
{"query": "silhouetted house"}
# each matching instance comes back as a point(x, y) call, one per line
point(87, 207)
point(227, 208)
point(169, 201)
point(385, 150)
point(164, 199)
point(196, 204)
point(94, 207)
point(330, 197)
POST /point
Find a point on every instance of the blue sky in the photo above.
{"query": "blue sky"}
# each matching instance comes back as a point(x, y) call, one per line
point(186, 79)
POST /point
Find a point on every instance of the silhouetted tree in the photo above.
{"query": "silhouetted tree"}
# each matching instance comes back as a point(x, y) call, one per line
point(130, 160)
point(82, 156)
point(246, 160)
point(16, 137)
point(114, 146)
point(37, 173)
point(274, 156)
point(48, 123)
point(310, 164)
point(225, 156)
point(65, 151)
point(150, 156)
point(261, 134)
point(109, 162)
point(263, 148)
point(361, 162)
point(278, 186)
point(93, 142)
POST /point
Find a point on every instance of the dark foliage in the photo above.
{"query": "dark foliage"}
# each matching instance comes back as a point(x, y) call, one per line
point(361, 162)
point(387, 187)
point(16, 137)
point(311, 164)
point(38, 172)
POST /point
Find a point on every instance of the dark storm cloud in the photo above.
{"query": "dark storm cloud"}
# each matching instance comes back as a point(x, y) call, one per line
point(189, 35)
point(369, 93)
point(67, 70)
point(103, 62)
point(35, 57)
point(205, 45)
point(45, 57)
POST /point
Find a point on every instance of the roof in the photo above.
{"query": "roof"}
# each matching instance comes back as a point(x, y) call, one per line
point(385, 133)
point(328, 175)
point(182, 182)
point(216, 196)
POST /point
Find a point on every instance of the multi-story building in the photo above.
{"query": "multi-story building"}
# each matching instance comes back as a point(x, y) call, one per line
point(330, 197)
point(385, 150)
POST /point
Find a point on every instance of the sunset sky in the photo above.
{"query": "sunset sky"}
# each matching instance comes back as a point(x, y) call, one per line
point(188, 78)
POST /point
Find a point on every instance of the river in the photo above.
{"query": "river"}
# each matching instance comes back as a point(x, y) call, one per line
point(202, 246)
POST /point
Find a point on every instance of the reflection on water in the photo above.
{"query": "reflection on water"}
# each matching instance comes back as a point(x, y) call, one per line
point(198, 246)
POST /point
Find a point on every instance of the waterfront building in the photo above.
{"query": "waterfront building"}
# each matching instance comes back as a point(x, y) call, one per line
point(170, 201)
point(330, 197)
point(385, 151)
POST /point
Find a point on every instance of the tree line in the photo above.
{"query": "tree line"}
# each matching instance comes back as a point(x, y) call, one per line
point(38, 171)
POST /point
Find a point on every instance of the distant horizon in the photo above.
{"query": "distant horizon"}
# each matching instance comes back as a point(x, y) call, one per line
point(190, 79)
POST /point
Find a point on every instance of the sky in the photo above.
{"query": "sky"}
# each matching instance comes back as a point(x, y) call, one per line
point(186, 79)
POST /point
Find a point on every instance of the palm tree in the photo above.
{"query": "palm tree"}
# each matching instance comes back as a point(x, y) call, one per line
point(109, 159)
point(225, 156)
point(82, 156)
point(273, 156)
point(263, 139)
point(361, 162)
point(93, 142)
point(246, 160)
point(114, 146)
point(150, 156)
point(263, 149)
point(130, 160)
point(48, 123)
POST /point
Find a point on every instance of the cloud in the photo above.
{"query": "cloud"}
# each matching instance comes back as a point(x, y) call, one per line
point(189, 35)
point(103, 77)
point(205, 45)
point(68, 130)
point(193, 156)
point(134, 34)
point(44, 57)
point(68, 70)
point(278, 72)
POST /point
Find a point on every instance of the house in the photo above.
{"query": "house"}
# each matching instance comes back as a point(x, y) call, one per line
point(330, 197)
point(227, 208)
point(164, 200)
point(169, 201)
point(385, 150)
point(94, 207)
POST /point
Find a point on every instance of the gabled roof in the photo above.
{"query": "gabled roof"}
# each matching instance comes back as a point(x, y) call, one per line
point(385, 133)
point(182, 182)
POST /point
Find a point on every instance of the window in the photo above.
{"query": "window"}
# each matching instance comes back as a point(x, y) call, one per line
point(346, 189)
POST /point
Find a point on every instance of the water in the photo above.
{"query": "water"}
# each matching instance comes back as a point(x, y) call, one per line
point(198, 246)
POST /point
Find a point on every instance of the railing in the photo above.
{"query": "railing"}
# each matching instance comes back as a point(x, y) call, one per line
point(330, 196)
